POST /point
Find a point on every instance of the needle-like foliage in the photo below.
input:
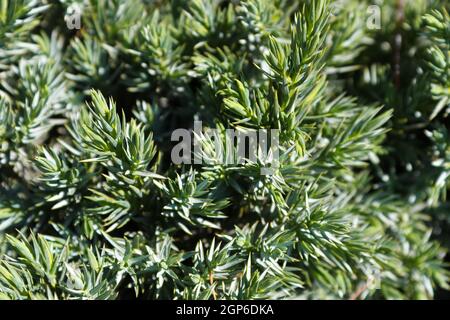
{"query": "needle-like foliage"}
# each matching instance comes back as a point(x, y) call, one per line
point(92, 206)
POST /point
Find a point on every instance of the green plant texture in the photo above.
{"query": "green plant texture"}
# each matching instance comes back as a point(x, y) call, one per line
point(93, 207)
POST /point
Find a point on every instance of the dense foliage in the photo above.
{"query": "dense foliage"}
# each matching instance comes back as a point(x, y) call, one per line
point(92, 206)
